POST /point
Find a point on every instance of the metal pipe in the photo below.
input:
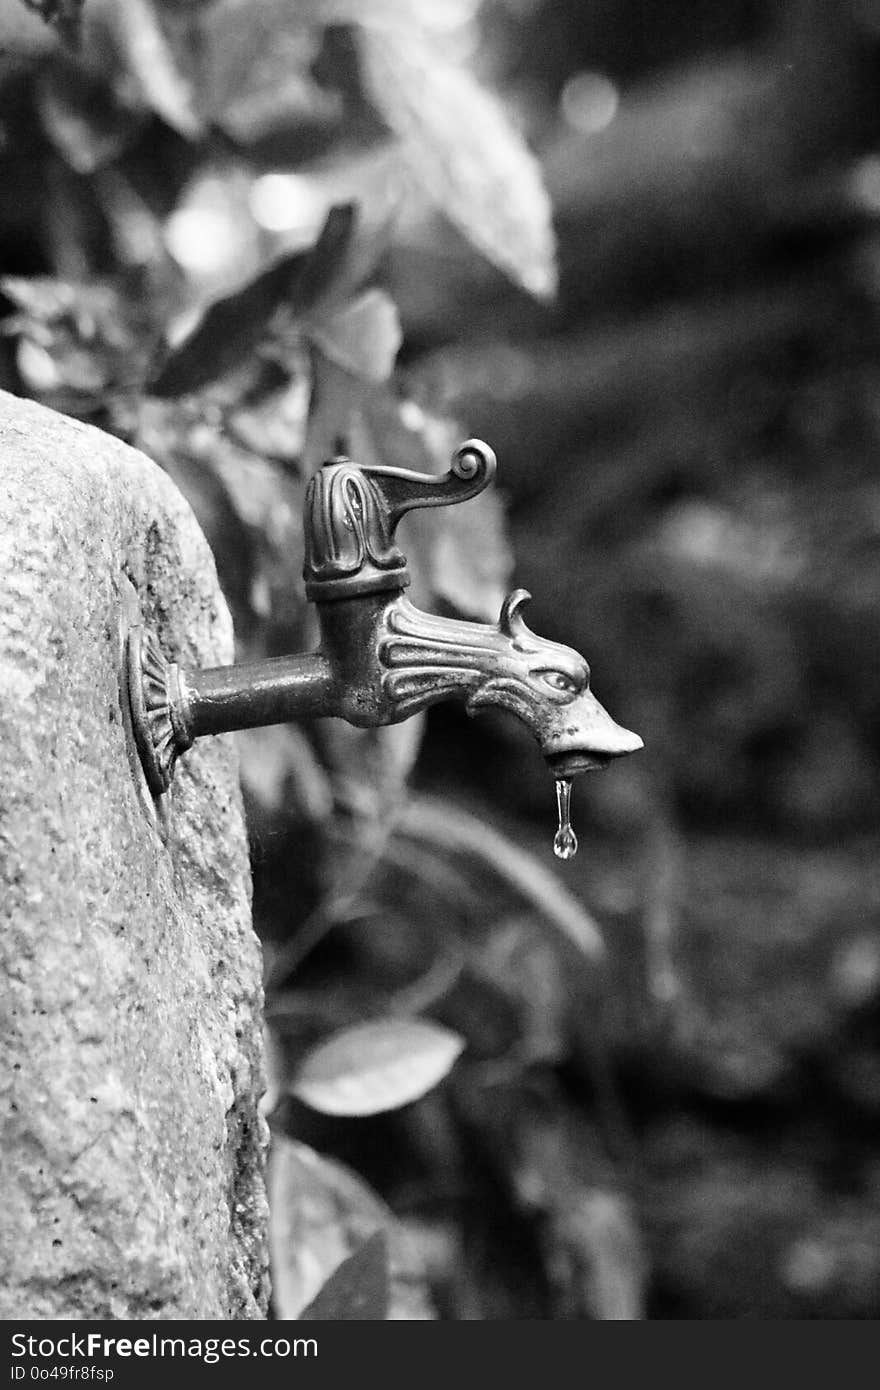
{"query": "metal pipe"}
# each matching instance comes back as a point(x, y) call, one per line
point(223, 698)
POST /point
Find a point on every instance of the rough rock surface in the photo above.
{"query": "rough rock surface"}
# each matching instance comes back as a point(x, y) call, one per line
point(130, 1000)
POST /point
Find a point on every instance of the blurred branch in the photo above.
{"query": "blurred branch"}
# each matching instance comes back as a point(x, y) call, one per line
point(453, 830)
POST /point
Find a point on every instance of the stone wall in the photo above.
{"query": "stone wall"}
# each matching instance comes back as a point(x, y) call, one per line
point(130, 996)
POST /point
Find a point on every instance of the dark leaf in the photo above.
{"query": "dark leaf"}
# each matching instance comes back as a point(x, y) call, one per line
point(327, 258)
point(82, 117)
point(358, 1289)
point(232, 327)
point(379, 183)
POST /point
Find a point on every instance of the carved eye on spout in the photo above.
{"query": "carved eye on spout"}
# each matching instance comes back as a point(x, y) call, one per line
point(558, 680)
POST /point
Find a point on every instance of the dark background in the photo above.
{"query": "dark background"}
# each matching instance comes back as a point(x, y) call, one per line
point(687, 437)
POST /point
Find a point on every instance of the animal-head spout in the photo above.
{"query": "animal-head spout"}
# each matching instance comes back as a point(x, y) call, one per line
point(505, 666)
point(548, 686)
point(587, 739)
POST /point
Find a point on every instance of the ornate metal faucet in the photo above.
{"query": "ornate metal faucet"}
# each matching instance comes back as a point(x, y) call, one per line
point(380, 659)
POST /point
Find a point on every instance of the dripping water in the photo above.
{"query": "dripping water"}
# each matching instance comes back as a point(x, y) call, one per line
point(565, 844)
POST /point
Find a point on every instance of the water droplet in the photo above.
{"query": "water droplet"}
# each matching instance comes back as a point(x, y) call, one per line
point(565, 843)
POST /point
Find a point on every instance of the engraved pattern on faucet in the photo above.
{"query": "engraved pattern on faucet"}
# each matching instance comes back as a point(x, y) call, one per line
point(425, 657)
point(347, 525)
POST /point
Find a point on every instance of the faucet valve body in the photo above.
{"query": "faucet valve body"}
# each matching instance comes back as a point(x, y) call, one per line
point(380, 659)
point(351, 515)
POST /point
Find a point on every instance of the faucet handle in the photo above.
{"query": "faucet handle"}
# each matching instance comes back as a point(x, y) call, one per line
point(352, 511)
point(403, 490)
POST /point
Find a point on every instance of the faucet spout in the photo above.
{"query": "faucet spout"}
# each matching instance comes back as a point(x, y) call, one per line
point(504, 666)
point(601, 742)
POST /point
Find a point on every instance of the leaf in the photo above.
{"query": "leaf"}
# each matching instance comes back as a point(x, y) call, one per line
point(320, 1212)
point(471, 559)
point(364, 337)
point(252, 69)
point(83, 118)
point(152, 62)
point(65, 15)
point(466, 153)
point(536, 978)
point(357, 1289)
point(335, 413)
point(441, 15)
point(82, 338)
point(374, 1067)
point(379, 183)
point(598, 1238)
point(280, 774)
point(232, 327)
point(273, 425)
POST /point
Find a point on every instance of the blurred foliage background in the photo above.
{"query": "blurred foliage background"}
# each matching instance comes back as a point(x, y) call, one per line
point(238, 234)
